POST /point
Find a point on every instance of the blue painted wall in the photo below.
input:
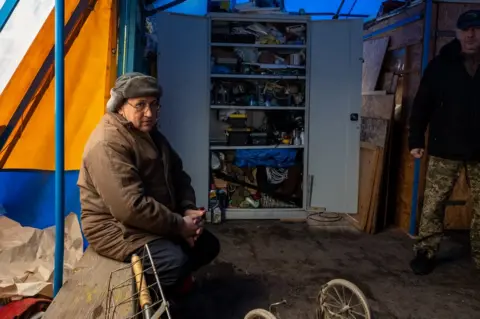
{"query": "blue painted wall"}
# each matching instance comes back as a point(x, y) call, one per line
point(28, 196)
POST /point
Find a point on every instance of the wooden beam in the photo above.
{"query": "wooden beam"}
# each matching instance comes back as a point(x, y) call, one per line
point(84, 294)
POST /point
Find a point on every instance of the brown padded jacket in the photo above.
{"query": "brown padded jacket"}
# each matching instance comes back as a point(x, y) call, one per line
point(133, 188)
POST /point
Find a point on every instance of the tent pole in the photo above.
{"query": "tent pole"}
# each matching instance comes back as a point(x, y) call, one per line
point(416, 171)
point(59, 144)
point(339, 9)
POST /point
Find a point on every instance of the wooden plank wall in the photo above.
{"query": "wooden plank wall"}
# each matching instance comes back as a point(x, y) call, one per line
point(405, 175)
point(404, 56)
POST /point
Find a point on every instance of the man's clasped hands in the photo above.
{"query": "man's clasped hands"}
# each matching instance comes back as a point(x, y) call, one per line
point(193, 225)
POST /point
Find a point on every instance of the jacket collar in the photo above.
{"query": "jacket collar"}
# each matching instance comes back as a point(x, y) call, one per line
point(117, 119)
point(452, 50)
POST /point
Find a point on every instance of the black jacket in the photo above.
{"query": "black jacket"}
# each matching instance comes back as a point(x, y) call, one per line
point(449, 100)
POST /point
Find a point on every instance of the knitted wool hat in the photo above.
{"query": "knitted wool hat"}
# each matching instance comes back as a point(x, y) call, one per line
point(132, 85)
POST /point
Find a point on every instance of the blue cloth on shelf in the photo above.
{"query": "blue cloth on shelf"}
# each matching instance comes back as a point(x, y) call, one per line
point(273, 157)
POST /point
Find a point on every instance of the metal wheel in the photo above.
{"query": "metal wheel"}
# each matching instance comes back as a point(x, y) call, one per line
point(260, 314)
point(341, 299)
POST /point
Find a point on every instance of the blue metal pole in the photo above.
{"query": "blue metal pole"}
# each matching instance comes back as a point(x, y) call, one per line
point(59, 144)
point(340, 6)
point(425, 59)
point(127, 35)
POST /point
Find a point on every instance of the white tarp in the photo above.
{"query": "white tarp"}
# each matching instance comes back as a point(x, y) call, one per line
point(18, 34)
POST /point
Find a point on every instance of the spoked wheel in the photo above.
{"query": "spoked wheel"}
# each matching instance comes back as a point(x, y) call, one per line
point(341, 299)
point(260, 314)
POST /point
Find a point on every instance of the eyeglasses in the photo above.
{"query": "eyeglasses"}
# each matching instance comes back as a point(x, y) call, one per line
point(142, 106)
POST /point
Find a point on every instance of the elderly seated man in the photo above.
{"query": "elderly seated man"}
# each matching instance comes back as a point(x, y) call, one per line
point(134, 191)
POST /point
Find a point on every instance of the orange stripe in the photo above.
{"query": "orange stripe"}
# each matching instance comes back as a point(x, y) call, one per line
point(86, 74)
point(27, 70)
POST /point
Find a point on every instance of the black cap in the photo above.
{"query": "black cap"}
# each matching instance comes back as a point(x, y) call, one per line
point(469, 19)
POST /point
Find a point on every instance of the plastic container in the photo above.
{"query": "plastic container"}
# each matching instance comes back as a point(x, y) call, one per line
point(259, 138)
point(238, 136)
point(237, 120)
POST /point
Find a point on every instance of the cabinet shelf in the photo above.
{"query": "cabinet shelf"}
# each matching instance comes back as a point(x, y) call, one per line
point(275, 66)
point(265, 213)
point(258, 77)
point(260, 46)
point(257, 108)
point(253, 147)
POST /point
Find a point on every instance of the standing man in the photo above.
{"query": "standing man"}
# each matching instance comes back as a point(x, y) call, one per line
point(448, 100)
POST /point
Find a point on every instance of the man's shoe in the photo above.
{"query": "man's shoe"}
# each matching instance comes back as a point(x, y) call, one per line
point(422, 264)
point(178, 296)
point(184, 287)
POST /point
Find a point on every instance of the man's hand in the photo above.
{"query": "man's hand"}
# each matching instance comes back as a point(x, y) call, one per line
point(195, 213)
point(195, 217)
point(190, 241)
point(189, 228)
point(417, 152)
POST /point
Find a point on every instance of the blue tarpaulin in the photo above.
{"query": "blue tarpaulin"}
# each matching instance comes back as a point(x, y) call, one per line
point(357, 7)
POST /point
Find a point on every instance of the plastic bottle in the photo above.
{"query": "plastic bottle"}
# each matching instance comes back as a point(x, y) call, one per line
point(215, 211)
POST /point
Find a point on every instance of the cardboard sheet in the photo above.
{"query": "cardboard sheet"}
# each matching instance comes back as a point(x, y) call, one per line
point(27, 257)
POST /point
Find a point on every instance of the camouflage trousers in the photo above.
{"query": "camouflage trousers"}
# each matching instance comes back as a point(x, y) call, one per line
point(441, 177)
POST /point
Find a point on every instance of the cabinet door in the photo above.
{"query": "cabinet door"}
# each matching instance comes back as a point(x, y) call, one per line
point(183, 73)
point(335, 55)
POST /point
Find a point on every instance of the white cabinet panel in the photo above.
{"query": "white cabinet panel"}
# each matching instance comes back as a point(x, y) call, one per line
point(335, 76)
point(183, 72)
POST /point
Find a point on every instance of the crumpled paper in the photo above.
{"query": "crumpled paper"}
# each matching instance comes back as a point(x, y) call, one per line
point(27, 257)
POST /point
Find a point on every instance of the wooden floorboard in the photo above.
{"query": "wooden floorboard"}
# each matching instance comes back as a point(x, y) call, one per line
point(84, 293)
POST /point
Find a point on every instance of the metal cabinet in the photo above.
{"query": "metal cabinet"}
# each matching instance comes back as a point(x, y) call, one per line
point(332, 111)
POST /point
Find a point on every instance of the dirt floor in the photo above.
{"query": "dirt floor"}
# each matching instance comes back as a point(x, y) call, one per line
point(266, 262)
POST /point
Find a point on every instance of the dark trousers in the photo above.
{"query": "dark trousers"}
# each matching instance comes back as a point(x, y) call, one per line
point(175, 260)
